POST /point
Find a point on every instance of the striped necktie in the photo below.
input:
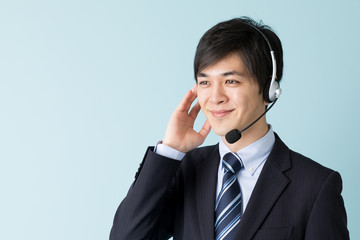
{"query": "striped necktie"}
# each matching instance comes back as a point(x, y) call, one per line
point(228, 209)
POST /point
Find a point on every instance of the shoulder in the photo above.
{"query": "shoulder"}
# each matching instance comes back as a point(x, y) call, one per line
point(311, 171)
point(311, 176)
point(305, 163)
point(308, 179)
point(294, 163)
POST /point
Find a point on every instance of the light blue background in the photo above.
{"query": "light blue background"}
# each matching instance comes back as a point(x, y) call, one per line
point(81, 82)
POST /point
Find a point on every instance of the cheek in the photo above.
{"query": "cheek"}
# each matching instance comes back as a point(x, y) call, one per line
point(237, 98)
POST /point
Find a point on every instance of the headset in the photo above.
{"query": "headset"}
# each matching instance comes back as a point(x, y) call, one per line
point(272, 92)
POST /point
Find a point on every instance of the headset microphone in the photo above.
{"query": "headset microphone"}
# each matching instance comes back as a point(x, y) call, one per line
point(272, 92)
point(235, 134)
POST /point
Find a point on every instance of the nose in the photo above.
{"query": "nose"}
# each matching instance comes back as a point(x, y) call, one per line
point(218, 94)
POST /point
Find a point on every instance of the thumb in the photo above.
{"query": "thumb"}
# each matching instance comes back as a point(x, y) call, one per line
point(205, 130)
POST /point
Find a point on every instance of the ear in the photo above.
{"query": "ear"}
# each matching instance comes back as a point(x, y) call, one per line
point(266, 103)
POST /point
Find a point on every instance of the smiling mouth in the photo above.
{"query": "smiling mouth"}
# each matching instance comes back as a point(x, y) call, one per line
point(221, 113)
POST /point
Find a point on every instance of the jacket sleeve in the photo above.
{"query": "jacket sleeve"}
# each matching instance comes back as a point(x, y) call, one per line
point(328, 219)
point(147, 210)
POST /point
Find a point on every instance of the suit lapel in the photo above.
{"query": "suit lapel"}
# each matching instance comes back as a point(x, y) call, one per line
point(268, 188)
point(206, 178)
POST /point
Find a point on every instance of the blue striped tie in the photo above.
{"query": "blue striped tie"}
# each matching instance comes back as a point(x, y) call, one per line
point(228, 207)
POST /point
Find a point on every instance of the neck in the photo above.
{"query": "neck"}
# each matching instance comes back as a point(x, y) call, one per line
point(254, 133)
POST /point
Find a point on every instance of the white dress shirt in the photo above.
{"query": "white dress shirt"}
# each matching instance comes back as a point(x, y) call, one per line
point(254, 157)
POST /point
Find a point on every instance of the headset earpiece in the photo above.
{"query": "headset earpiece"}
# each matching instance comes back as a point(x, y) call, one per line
point(272, 91)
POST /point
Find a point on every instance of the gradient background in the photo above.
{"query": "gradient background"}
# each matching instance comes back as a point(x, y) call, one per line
point(84, 83)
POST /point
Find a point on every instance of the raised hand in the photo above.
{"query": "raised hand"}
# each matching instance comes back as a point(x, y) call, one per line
point(180, 133)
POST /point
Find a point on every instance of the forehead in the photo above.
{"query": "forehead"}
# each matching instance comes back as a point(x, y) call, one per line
point(231, 64)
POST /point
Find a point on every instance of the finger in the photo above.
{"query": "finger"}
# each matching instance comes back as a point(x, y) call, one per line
point(186, 102)
point(195, 111)
point(205, 129)
point(194, 94)
point(194, 88)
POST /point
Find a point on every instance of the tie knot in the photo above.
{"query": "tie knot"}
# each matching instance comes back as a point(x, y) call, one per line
point(232, 162)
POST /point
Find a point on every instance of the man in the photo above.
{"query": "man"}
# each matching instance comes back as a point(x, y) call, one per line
point(250, 187)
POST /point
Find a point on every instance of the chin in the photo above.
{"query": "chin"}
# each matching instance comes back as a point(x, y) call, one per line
point(221, 131)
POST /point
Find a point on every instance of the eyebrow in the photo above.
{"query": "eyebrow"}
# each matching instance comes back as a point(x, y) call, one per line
point(225, 74)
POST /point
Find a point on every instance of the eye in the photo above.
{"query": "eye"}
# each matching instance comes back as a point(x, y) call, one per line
point(232, 81)
point(204, 82)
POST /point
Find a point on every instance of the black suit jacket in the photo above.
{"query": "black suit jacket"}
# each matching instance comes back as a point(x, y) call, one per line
point(294, 198)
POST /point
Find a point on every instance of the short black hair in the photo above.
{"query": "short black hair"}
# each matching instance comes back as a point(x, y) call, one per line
point(238, 35)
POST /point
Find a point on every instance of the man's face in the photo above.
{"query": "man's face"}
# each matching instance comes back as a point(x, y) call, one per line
point(228, 96)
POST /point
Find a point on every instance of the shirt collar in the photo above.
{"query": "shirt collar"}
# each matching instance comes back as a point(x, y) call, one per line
point(254, 154)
